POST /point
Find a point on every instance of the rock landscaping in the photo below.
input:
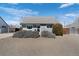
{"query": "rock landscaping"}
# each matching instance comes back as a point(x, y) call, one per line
point(26, 34)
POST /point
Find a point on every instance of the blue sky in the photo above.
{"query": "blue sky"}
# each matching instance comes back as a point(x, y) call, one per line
point(63, 12)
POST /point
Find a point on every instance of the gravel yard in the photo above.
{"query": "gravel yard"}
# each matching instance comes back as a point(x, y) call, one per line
point(68, 45)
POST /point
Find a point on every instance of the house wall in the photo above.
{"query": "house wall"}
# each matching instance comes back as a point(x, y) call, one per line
point(33, 29)
point(70, 31)
point(66, 30)
point(2, 24)
point(42, 28)
point(4, 30)
point(0, 30)
point(73, 30)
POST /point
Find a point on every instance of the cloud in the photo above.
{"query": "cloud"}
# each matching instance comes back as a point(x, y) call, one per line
point(40, 4)
point(66, 5)
point(71, 15)
point(68, 18)
point(75, 14)
point(13, 3)
point(13, 22)
point(16, 14)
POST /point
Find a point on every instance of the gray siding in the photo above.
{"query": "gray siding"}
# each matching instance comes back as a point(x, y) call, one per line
point(3, 26)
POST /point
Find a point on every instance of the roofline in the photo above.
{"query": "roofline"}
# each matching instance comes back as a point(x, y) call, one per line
point(39, 23)
point(4, 21)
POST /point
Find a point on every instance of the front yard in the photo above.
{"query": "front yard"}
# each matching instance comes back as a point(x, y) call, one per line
point(67, 45)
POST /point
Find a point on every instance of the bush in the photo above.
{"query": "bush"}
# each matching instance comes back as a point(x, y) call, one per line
point(58, 29)
point(26, 34)
point(47, 34)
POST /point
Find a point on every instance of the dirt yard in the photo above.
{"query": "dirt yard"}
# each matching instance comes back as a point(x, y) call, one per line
point(4, 35)
point(68, 45)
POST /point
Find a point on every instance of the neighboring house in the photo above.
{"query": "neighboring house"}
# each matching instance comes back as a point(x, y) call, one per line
point(74, 27)
point(65, 30)
point(3, 26)
point(38, 23)
point(14, 28)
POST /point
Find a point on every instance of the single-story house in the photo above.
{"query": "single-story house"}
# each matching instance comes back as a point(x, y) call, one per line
point(38, 23)
point(3, 26)
point(74, 27)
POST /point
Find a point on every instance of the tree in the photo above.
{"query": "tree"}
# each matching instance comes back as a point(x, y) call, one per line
point(58, 29)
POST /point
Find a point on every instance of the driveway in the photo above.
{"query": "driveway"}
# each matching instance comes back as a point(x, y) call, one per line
point(5, 35)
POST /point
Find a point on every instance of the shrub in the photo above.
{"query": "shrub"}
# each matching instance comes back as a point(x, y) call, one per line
point(58, 29)
point(26, 34)
point(47, 34)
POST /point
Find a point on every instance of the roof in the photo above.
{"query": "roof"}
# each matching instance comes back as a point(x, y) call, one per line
point(74, 24)
point(41, 20)
point(2, 22)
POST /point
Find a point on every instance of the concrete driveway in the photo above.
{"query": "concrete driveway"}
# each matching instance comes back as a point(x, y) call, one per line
point(5, 35)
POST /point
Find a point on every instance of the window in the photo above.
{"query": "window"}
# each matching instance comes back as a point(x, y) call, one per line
point(29, 27)
point(23, 25)
point(34, 26)
point(43, 24)
point(3, 26)
point(49, 26)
